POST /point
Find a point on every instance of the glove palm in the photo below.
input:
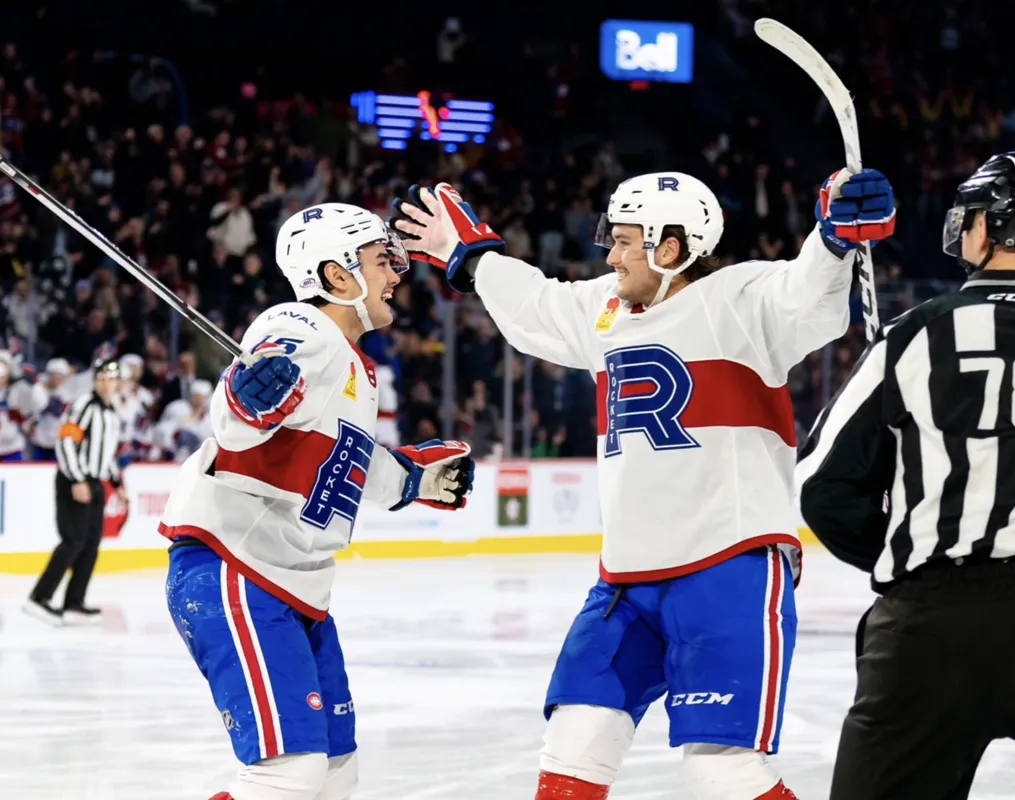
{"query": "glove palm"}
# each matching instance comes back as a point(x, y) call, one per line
point(439, 227)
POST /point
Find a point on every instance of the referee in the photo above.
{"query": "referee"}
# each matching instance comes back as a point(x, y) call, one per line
point(909, 474)
point(86, 456)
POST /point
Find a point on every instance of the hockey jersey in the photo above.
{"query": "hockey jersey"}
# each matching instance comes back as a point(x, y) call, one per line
point(134, 407)
point(19, 402)
point(45, 425)
point(181, 430)
point(697, 439)
point(278, 504)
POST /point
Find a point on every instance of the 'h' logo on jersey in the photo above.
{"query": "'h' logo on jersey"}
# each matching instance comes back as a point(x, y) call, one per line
point(340, 479)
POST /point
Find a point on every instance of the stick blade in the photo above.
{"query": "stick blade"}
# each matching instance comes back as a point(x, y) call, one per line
point(798, 50)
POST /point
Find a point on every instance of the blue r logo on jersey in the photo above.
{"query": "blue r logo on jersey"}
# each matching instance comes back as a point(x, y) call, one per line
point(340, 479)
point(647, 389)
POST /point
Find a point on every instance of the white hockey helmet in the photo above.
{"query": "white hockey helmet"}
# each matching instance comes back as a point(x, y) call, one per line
point(57, 366)
point(333, 232)
point(659, 199)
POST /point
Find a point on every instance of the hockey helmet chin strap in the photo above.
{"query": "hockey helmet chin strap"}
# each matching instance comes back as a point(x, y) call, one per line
point(358, 303)
point(668, 274)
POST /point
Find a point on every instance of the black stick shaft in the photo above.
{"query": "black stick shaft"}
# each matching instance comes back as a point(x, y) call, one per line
point(205, 325)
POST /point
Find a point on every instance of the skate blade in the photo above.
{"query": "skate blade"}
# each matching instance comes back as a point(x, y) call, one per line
point(39, 613)
point(75, 618)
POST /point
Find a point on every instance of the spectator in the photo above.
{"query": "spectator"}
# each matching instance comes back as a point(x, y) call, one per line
point(232, 224)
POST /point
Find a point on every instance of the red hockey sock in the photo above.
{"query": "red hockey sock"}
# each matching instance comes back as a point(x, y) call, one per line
point(561, 787)
point(222, 796)
point(777, 792)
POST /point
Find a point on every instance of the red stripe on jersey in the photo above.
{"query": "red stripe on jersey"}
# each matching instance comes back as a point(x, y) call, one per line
point(666, 573)
point(602, 391)
point(638, 388)
point(357, 476)
point(289, 460)
point(725, 394)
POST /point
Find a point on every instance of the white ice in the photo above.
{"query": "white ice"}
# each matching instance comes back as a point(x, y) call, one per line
point(448, 663)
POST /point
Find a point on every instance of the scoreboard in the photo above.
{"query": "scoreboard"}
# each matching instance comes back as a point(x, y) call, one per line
point(430, 117)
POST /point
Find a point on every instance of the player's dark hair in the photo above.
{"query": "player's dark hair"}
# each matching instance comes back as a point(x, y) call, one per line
point(316, 301)
point(702, 266)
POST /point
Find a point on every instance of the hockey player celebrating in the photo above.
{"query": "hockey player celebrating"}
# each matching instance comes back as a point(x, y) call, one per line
point(259, 511)
point(696, 456)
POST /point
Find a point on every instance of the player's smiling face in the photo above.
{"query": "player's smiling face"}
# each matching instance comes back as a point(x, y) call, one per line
point(636, 281)
point(381, 279)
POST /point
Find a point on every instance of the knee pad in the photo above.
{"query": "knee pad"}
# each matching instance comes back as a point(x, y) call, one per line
point(296, 777)
point(341, 779)
point(586, 742)
point(719, 772)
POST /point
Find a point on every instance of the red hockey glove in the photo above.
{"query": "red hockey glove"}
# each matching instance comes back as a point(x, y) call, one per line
point(440, 474)
point(442, 229)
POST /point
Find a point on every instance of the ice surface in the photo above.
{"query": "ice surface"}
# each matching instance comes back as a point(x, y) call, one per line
point(448, 663)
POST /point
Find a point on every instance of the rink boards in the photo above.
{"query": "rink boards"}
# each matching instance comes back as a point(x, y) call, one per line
point(517, 507)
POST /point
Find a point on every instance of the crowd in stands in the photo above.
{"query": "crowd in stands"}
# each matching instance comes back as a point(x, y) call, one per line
point(199, 205)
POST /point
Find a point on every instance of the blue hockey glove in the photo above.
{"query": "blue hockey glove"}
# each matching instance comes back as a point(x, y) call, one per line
point(442, 229)
point(440, 474)
point(855, 208)
point(264, 390)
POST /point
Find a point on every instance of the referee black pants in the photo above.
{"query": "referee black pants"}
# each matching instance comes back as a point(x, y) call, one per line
point(935, 685)
point(80, 529)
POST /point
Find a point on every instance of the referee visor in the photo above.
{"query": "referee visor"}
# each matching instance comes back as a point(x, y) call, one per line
point(958, 220)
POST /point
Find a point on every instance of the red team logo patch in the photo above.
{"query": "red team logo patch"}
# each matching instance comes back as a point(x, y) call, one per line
point(314, 701)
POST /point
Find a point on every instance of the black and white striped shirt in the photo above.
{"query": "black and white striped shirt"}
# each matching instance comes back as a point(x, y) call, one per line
point(88, 441)
point(922, 428)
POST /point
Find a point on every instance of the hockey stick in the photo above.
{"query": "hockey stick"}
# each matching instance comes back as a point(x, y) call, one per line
point(800, 52)
point(205, 325)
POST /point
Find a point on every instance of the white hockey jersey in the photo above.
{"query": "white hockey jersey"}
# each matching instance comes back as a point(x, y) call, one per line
point(50, 406)
point(18, 404)
point(180, 431)
point(133, 407)
point(697, 441)
point(278, 504)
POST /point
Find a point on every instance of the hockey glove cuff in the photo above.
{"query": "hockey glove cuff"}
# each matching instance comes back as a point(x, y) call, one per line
point(440, 474)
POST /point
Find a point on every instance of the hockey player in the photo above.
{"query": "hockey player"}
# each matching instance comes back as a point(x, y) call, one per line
point(51, 401)
point(258, 512)
point(134, 407)
point(185, 424)
point(696, 455)
point(18, 404)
